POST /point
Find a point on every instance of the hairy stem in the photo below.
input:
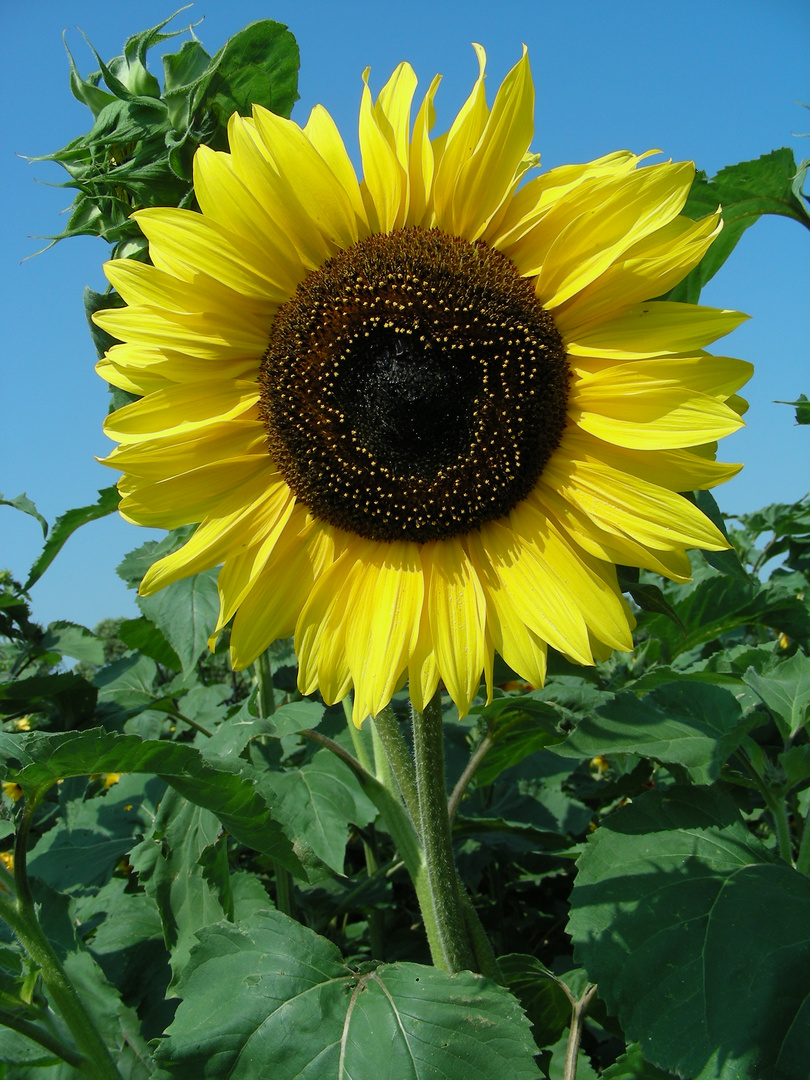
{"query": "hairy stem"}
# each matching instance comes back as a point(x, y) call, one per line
point(431, 786)
point(578, 1010)
point(403, 833)
point(399, 757)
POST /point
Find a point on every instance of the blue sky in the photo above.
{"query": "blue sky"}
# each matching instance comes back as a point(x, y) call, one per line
point(708, 80)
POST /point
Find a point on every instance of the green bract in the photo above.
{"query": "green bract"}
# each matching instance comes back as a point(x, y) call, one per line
point(139, 150)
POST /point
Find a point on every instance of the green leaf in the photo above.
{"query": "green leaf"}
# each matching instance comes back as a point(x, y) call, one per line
point(717, 605)
point(321, 801)
point(784, 687)
point(24, 504)
point(540, 993)
point(693, 724)
point(134, 565)
point(632, 1066)
point(71, 695)
point(186, 613)
point(143, 636)
point(647, 596)
point(727, 562)
point(35, 761)
point(116, 1022)
point(397, 1022)
point(259, 65)
point(520, 724)
point(802, 407)
point(173, 863)
point(70, 639)
point(745, 191)
point(92, 835)
point(697, 938)
point(66, 525)
point(128, 683)
point(101, 301)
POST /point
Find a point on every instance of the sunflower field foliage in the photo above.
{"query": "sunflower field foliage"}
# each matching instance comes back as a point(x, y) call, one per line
point(460, 734)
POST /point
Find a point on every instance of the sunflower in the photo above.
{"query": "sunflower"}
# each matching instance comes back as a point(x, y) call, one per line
point(419, 418)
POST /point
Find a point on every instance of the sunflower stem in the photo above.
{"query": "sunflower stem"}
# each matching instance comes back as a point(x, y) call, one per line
point(389, 731)
point(264, 681)
point(457, 953)
point(403, 833)
point(94, 1058)
point(357, 737)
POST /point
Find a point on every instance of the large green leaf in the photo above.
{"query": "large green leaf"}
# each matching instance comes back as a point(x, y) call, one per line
point(92, 834)
point(186, 613)
point(632, 1066)
point(321, 801)
point(540, 993)
point(144, 636)
point(295, 1012)
point(784, 687)
point(70, 639)
point(71, 695)
point(66, 525)
point(717, 605)
point(693, 724)
point(183, 865)
point(769, 185)
point(698, 940)
point(35, 761)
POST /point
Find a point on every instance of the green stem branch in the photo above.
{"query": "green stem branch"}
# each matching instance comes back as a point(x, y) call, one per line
point(803, 859)
point(20, 913)
point(463, 782)
point(579, 1008)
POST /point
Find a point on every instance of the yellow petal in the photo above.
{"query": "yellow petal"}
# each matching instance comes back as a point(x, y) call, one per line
point(421, 162)
point(656, 328)
point(625, 213)
point(485, 179)
point(305, 180)
point(186, 244)
point(649, 268)
point(271, 608)
point(220, 537)
point(323, 133)
point(423, 667)
point(458, 147)
point(457, 614)
point(679, 470)
point(384, 175)
point(627, 506)
point(216, 489)
point(621, 550)
point(383, 623)
point(181, 408)
point(534, 200)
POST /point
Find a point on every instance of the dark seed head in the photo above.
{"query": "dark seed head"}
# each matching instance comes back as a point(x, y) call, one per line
point(413, 387)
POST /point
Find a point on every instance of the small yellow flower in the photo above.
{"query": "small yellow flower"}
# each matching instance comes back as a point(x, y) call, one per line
point(7, 859)
point(111, 778)
point(12, 790)
point(22, 723)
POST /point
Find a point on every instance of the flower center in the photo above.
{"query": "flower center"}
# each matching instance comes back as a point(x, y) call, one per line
point(414, 387)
